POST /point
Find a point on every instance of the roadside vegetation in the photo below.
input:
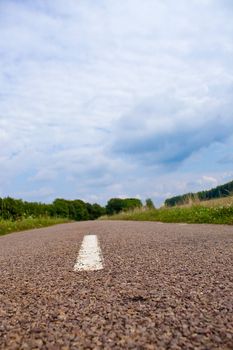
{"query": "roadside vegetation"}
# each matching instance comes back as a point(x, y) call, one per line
point(8, 226)
point(16, 209)
point(222, 191)
point(218, 202)
point(17, 215)
point(218, 211)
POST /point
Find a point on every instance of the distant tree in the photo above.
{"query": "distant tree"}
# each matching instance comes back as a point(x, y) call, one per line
point(95, 211)
point(72, 210)
point(217, 192)
point(81, 212)
point(61, 207)
point(116, 205)
point(98, 210)
point(131, 203)
point(149, 203)
point(11, 208)
point(1, 207)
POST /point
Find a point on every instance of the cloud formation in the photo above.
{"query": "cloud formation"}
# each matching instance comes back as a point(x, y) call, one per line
point(173, 128)
point(111, 98)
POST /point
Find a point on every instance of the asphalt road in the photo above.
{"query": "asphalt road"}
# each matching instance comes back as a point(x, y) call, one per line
point(163, 286)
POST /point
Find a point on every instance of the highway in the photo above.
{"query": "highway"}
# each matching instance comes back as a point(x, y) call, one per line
point(117, 285)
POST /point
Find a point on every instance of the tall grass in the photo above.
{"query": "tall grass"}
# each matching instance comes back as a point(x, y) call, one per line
point(218, 212)
point(7, 226)
point(218, 202)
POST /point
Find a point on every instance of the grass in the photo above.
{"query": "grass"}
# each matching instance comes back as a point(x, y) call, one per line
point(218, 202)
point(219, 211)
point(8, 226)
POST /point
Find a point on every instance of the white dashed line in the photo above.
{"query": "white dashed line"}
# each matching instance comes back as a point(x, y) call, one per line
point(90, 257)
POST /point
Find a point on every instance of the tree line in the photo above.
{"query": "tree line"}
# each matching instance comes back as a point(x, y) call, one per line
point(116, 205)
point(16, 209)
point(217, 192)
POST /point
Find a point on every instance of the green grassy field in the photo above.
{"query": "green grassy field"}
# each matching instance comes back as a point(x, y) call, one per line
point(212, 212)
point(7, 226)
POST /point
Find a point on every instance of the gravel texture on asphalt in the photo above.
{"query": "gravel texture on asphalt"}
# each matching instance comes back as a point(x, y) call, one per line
point(162, 287)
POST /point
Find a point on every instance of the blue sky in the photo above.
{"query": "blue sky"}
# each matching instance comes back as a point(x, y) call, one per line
point(126, 98)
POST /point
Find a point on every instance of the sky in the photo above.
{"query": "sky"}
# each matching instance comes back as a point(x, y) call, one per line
point(127, 98)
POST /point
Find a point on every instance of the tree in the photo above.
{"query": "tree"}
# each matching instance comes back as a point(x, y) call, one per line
point(12, 209)
point(217, 192)
point(61, 207)
point(95, 211)
point(131, 203)
point(81, 212)
point(115, 205)
point(149, 203)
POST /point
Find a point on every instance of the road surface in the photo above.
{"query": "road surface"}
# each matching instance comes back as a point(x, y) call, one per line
point(157, 286)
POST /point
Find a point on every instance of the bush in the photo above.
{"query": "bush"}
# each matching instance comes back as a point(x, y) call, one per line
point(116, 205)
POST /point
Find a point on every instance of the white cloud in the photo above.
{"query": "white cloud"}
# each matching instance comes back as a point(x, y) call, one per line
point(210, 179)
point(42, 193)
point(78, 76)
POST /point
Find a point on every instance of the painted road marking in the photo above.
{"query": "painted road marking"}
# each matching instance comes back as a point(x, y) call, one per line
point(183, 224)
point(90, 256)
